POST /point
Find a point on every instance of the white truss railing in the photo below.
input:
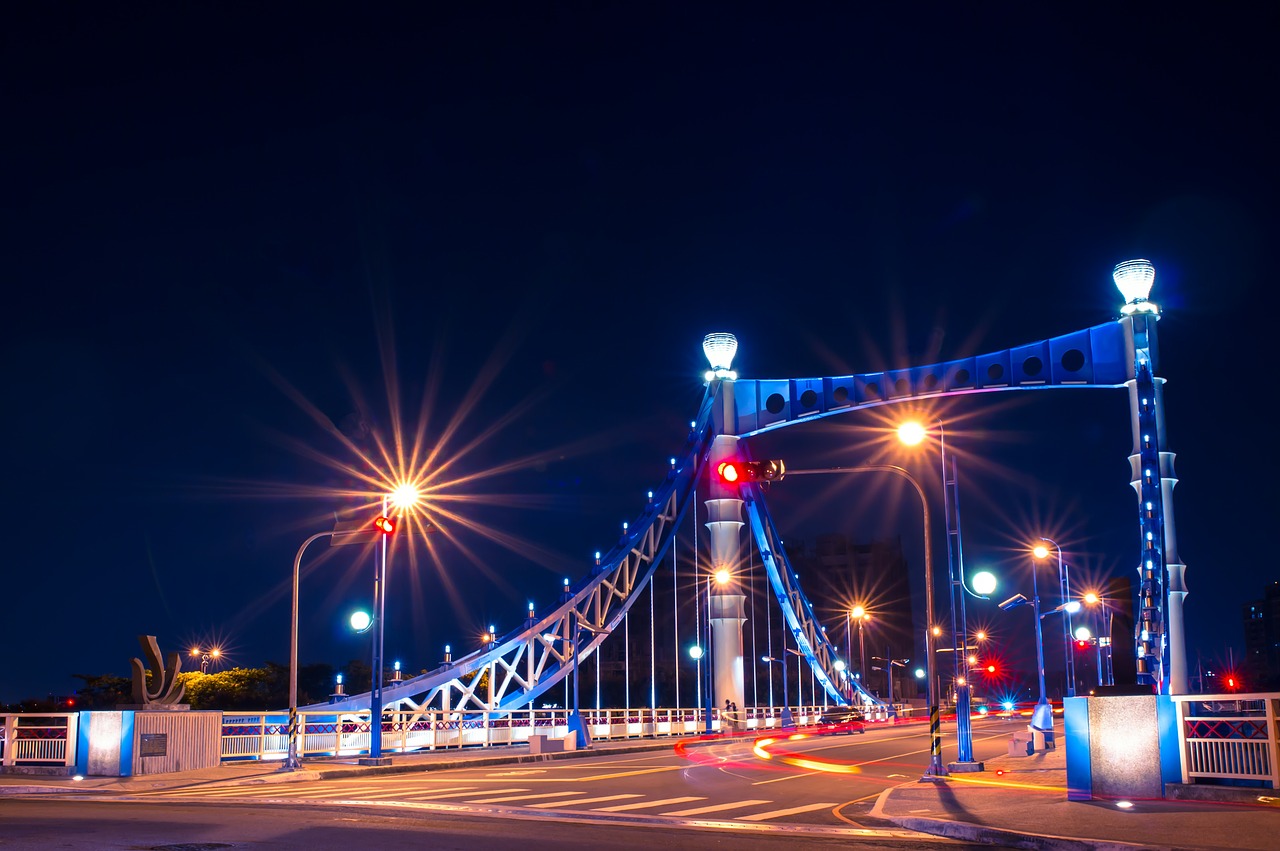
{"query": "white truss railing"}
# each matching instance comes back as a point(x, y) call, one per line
point(524, 664)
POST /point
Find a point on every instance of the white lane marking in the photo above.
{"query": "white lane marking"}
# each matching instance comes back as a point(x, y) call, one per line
point(715, 808)
point(631, 773)
point(517, 772)
point(644, 805)
point(787, 812)
point(522, 797)
point(583, 801)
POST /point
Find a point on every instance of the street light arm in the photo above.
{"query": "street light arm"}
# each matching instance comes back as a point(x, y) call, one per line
point(291, 763)
point(935, 745)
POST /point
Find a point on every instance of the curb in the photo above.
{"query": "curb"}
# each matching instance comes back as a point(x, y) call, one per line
point(1012, 839)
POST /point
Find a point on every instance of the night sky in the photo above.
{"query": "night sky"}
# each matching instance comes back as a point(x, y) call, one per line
point(241, 241)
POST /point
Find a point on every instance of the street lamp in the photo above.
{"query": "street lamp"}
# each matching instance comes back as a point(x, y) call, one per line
point(1041, 552)
point(859, 614)
point(1042, 715)
point(403, 498)
point(344, 532)
point(695, 653)
point(889, 665)
point(936, 769)
point(913, 433)
point(787, 719)
point(211, 654)
point(575, 723)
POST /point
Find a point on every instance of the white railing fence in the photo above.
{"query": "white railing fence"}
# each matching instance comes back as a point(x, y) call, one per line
point(48, 740)
point(265, 735)
point(1229, 737)
point(29, 740)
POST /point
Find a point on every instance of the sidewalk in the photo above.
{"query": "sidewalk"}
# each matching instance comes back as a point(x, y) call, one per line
point(1017, 802)
point(1022, 802)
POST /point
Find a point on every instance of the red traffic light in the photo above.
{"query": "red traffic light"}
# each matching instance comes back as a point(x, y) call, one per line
point(385, 525)
point(1082, 644)
point(991, 669)
point(735, 472)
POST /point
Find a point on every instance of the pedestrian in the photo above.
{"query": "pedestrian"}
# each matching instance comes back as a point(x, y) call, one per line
point(733, 715)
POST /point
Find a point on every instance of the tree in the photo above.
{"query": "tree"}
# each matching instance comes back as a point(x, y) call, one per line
point(104, 691)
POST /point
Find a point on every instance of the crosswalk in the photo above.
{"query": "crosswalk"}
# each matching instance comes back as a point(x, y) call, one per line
point(520, 797)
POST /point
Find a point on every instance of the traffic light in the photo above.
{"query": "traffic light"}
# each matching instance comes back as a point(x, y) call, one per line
point(385, 525)
point(1082, 644)
point(735, 472)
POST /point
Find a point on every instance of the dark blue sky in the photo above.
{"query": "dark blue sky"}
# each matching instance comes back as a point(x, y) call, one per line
point(205, 203)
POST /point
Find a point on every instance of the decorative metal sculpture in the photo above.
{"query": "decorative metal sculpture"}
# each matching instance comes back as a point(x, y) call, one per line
point(168, 691)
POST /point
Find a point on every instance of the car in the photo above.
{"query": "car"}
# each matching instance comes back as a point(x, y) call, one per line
point(843, 719)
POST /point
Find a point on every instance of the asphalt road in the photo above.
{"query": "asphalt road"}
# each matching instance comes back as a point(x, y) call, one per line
point(820, 788)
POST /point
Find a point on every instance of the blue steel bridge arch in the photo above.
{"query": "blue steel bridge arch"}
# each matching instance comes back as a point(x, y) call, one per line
point(528, 661)
point(1096, 357)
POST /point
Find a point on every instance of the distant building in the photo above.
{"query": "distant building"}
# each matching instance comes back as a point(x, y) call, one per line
point(839, 573)
point(1261, 621)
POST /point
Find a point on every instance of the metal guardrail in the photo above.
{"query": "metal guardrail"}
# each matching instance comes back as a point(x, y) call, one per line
point(38, 740)
point(1229, 737)
point(264, 735)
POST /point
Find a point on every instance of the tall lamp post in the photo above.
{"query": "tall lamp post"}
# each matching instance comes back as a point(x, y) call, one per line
point(1042, 715)
point(344, 532)
point(206, 656)
point(695, 653)
point(859, 614)
point(403, 498)
point(788, 718)
point(913, 433)
point(1041, 552)
point(936, 769)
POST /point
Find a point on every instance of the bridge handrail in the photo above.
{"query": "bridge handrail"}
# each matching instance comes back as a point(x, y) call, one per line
point(38, 739)
point(1229, 737)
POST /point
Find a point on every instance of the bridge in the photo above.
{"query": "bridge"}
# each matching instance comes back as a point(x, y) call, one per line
point(511, 673)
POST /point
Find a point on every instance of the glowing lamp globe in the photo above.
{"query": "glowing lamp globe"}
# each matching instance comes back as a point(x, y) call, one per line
point(695, 652)
point(911, 433)
point(984, 583)
point(839, 665)
point(1082, 633)
point(404, 496)
point(361, 621)
point(720, 349)
point(1134, 279)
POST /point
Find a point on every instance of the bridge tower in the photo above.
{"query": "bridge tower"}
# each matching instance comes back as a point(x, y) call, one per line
point(726, 604)
point(1160, 638)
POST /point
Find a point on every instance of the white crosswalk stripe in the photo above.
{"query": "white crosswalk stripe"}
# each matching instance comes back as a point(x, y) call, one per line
point(787, 812)
point(581, 801)
point(506, 798)
point(644, 805)
point(544, 799)
point(716, 808)
point(431, 796)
